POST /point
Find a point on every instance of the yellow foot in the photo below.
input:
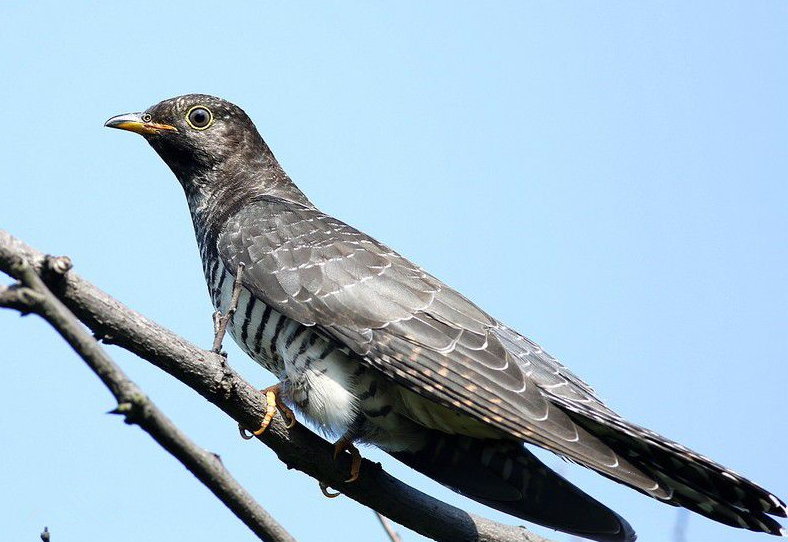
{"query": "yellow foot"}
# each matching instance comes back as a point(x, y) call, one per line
point(345, 444)
point(273, 402)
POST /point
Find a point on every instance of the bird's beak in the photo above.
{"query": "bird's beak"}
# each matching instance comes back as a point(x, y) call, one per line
point(133, 122)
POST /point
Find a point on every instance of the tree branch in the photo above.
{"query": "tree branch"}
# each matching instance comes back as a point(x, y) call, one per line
point(35, 297)
point(209, 375)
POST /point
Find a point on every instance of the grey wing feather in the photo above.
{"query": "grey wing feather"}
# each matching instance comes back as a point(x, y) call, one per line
point(429, 338)
point(410, 326)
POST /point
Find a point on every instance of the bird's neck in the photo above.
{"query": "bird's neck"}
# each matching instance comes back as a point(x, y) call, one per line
point(216, 195)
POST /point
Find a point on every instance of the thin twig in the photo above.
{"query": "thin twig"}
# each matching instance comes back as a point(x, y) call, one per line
point(221, 321)
point(388, 527)
point(137, 409)
point(209, 375)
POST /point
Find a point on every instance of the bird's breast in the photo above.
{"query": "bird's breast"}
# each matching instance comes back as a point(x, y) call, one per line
point(317, 373)
point(331, 387)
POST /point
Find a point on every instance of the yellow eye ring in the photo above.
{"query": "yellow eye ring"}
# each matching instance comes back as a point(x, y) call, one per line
point(199, 117)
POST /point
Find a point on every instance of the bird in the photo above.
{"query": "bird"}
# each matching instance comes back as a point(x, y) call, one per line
point(372, 349)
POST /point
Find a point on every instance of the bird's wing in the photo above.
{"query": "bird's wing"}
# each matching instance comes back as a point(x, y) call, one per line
point(430, 339)
point(411, 327)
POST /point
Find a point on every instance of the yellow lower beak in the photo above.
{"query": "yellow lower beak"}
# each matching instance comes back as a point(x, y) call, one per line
point(133, 123)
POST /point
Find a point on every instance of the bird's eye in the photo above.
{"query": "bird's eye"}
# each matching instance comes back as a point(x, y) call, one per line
point(146, 117)
point(199, 117)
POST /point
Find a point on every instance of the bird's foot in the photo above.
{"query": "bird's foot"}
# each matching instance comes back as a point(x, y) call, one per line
point(273, 402)
point(346, 444)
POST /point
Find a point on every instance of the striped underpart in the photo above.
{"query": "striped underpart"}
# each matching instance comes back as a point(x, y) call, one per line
point(320, 377)
point(310, 365)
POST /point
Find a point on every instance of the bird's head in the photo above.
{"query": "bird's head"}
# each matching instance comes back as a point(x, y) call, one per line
point(210, 144)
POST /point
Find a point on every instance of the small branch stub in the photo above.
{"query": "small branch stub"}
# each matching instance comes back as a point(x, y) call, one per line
point(58, 265)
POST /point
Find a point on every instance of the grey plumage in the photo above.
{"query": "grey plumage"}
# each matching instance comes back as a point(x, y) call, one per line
point(369, 345)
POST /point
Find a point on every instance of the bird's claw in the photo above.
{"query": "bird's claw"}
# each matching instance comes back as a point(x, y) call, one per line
point(273, 402)
point(345, 444)
point(325, 489)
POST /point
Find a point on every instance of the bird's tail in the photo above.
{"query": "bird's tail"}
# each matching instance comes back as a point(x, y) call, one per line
point(688, 479)
point(506, 476)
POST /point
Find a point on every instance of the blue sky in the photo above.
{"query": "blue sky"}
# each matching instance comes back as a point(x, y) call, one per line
point(609, 178)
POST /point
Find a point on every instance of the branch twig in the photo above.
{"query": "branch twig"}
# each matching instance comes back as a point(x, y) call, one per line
point(134, 405)
point(220, 321)
point(209, 375)
point(388, 527)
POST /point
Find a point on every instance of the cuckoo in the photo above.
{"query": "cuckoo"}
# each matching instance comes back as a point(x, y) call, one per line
point(370, 348)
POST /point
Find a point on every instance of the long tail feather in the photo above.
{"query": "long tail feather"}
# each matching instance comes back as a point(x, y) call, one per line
point(695, 482)
point(506, 476)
